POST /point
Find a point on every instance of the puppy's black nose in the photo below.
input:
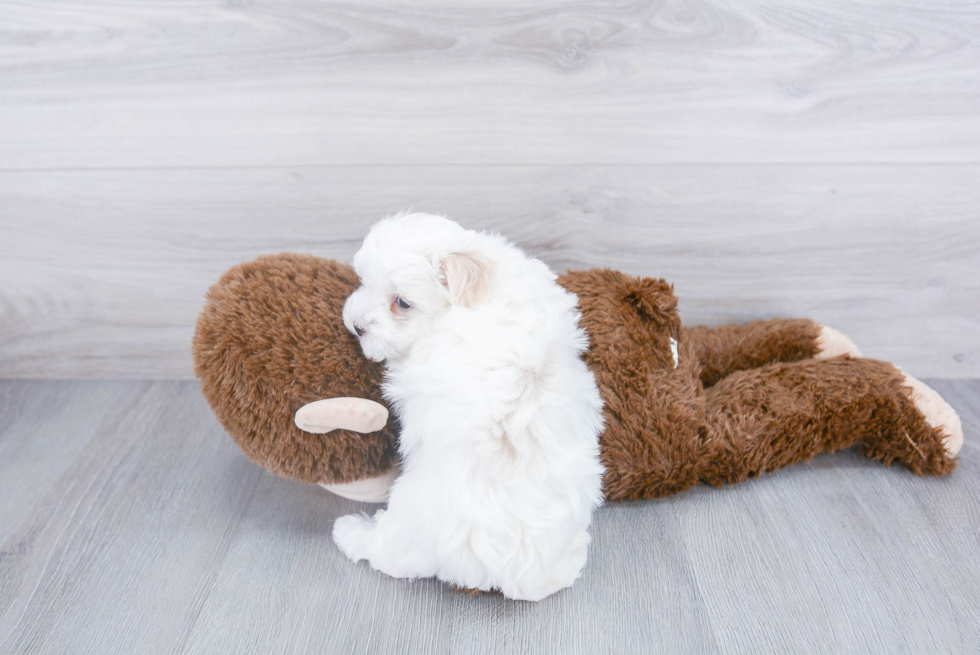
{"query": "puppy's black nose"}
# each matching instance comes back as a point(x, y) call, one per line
point(357, 328)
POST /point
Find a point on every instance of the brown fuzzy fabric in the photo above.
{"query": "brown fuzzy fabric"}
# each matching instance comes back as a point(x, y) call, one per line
point(665, 432)
point(270, 340)
point(744, 399)
point(766, 418)
point(723, 350)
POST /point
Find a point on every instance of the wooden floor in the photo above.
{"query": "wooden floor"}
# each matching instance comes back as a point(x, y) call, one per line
point(130, 523)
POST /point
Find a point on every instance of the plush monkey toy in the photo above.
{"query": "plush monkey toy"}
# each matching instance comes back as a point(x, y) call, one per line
point(682, 405)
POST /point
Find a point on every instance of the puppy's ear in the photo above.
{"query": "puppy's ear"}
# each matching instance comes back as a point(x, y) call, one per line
point(467, 275)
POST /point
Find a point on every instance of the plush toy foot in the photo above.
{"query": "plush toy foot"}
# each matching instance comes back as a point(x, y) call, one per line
point(368, 490)
point(355, 414)
point(833, 343)
point(938, 413)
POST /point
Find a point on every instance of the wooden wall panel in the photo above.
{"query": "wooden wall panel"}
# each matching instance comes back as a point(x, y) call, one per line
point(294, 82)
point(102, 273)
point(793, 157)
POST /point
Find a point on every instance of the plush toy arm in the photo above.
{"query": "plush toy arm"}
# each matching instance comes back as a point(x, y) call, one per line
point(355, 414)
point(724, 350)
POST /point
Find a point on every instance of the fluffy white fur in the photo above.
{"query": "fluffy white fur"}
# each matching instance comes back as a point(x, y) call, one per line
point(499, 416)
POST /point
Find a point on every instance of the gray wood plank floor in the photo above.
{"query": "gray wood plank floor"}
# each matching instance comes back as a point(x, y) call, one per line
point(130, 523)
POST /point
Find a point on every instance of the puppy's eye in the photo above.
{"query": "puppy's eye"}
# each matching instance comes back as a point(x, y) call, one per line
point(401, 303)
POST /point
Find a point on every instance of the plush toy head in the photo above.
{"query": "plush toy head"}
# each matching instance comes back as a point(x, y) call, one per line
point(269, 341)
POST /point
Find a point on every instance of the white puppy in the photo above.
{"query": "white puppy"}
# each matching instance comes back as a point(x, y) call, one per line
point(499, 415)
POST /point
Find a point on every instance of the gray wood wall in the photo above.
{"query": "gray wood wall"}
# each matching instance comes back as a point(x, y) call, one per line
point(804, 157)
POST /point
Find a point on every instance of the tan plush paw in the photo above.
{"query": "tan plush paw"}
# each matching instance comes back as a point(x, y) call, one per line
point(938, 413)
point(368, 490)
point(833, 343)
point(356, 414)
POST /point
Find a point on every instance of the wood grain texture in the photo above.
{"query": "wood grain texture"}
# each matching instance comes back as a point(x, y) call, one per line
point(129, 522)
point(103, 273)
point(791, 158)
point(113, 543)
point(274, 83)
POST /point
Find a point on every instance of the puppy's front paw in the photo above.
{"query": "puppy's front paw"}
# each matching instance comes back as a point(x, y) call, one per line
point(351, 533)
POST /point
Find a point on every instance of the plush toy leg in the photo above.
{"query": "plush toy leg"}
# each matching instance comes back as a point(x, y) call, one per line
point(767, 418)
point(724, 350)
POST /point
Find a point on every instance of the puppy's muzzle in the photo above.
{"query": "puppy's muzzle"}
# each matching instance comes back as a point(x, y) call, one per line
point(359, 328)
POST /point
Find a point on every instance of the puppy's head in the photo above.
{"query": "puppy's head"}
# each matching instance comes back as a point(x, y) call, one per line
point(413, 269)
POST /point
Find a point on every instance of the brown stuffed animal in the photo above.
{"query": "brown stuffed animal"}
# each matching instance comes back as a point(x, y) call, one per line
point(682, 406)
